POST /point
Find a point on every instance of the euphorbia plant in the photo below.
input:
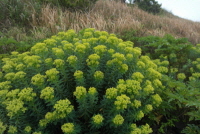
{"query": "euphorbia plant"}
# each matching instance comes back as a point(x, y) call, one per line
point(85, 82)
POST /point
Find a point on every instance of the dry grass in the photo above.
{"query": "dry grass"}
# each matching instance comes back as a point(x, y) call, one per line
point(116, 17)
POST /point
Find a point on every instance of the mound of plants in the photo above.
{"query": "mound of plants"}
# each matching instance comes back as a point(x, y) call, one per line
point(85, 82)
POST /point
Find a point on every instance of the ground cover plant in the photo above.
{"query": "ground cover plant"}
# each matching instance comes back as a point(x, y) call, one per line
point(86, 82)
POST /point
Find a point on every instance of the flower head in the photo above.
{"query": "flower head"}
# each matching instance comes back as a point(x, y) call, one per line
point(52, 74)
point(118, 120)
point(38, 79)
point(47, 93)
point(97, 119)
point(121, 102)
point(68, 128)
point(111, 93)
point(80, 92)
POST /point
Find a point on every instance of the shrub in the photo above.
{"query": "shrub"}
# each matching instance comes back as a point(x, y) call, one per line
point(86, 82)
point(178, 61)
point(150, 6)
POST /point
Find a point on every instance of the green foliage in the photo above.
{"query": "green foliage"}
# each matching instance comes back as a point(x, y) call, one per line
point(8, 45)
point(86, 82)
point(191, 129)
point(150, 6)
point(18, 11)
point(178, 62)
point(178, 52)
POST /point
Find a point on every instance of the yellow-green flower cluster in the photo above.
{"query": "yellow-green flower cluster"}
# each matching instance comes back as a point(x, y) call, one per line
point(122, 102)
point(47, 93)
point(49, 61)
point(12, 94)
point(129, 57)
point(102, 39)
point(52, 74)
point(32, 61)
point(133, 86)
point(144, 129)
point(38, 79)
point(162, 69)
point(10, 76)
point(121, 87)
point(152, 73)
point(123, 68)
point(14, 107)
point(157, 83)
point(80, 92)
point(138, 76)
point(139, 115)
point(118, 120)
point(80, 49)
point(26, 94)
point(141, 65)
point(121, 46)
point(97, 119)
point(136, 104)
point(67, 46)
point(58, 52)
point(39, 48)
point(37, 132)
point(174, 70)
point(9, 65)
point(27, 129)
point(136, 51)
point(119, 57)
point(5, 85)
point(98, 75)
point(2, 127)
point(148, 108)
point(111, 93)
point(87, 35)
point(50, 42)
point(100, 49)
point(148, 63)
point(194, 76)
point(92, 91)
point(93, 60)
point(72, 60)
point(181, 76)
point(69, 35)
point(148, 89)
point(62, 109)
point(156, 100)
point(68, 128)
point(113, 41)
point(12, 129)
point(59, 63)
point(78, 75)
point(15, 76)
point(135, 129)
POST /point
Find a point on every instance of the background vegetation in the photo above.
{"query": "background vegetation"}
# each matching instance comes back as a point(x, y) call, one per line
point(171, 42)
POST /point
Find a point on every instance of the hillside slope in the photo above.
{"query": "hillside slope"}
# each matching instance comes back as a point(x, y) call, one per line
point(110, 16)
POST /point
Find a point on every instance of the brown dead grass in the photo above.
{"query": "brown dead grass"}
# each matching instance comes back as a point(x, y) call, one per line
point(116, 17)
